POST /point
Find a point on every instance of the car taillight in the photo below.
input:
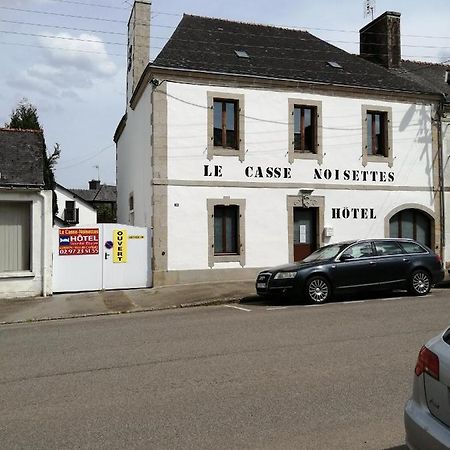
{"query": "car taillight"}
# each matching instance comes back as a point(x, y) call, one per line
point(427, 362)
point(439, 260)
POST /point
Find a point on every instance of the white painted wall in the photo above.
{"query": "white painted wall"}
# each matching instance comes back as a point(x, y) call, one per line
point(87, 213)
point(134, 172)
point(38, 281)
point(266, 137)
point(266, 144)
point(266, 219)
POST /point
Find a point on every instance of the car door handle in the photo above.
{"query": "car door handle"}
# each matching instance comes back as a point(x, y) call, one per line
point(372, 263)
point(405, 260)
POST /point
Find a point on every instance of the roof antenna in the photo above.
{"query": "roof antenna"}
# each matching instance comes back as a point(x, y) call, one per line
point(369, 8)
point(98, 171)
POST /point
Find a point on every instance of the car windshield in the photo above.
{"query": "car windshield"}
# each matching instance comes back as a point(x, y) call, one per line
point(328, 252)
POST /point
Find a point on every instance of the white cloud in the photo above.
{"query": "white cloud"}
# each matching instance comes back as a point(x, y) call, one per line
point(65, 71)
point(85, 53)
point(22, 3)
point(26, 83)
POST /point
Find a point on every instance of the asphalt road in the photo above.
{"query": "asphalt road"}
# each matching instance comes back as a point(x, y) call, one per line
point(249, 376)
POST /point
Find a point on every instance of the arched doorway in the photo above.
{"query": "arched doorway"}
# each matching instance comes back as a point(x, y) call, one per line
point(414, 224)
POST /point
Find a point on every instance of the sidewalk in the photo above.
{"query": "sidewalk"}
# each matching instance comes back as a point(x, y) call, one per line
point(63, 306)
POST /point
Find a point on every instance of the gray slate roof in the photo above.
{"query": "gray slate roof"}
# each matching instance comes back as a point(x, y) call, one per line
point(21, 158)
point(429, 75)
point(71, 192)
point(105, 193)
point(206, 44)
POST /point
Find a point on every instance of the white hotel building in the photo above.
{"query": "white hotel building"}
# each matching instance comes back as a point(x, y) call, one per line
point(245, 146)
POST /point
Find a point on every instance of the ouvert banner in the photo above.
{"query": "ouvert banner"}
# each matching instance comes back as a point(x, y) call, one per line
point(120, 246)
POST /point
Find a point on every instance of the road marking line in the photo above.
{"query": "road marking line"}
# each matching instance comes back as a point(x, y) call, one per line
point(274, 308)
point(238, 307)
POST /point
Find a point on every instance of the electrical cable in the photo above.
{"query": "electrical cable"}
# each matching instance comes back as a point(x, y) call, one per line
point(86, 159)
point(333, 52)
point(202, 29)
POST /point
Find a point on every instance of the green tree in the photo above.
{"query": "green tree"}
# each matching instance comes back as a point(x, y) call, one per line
point(25, 117)
point(105, 214)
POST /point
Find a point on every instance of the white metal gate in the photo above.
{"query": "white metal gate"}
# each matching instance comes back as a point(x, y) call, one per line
point(101, 256)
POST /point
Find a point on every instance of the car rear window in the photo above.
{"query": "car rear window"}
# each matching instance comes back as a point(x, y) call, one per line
point(446, 336)
point(388, 248)
point(412, 247)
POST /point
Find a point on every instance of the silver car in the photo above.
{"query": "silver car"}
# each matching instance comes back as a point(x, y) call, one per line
point(427, 412)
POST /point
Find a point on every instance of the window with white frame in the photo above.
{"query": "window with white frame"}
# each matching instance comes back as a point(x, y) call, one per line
point(15, 236)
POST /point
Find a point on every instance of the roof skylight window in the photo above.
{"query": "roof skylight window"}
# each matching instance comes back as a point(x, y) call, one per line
point(334, 64)
point(241, 54)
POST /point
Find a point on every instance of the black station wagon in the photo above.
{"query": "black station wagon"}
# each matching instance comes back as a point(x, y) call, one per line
point(369, 264)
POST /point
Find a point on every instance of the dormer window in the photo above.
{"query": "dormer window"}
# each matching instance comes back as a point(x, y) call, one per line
point(334, 64)
point(241, 54)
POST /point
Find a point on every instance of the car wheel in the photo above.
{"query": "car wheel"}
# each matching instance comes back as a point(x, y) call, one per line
point(419, 283)
point(318, 290)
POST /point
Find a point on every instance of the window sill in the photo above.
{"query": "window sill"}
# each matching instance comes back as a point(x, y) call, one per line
point(378, 159)
point(305, 155)
point(227, 258)
point(223, 151)
point(293, 155)
point(20, 274)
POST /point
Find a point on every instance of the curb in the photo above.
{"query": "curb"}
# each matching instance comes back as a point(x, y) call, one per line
point(131, 311)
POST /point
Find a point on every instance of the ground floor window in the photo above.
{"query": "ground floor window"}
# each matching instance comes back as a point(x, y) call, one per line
point(411, 223)
point(226, 231)
point(15, 236)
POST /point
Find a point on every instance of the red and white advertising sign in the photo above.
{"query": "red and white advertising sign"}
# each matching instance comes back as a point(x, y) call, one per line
point(78, 241)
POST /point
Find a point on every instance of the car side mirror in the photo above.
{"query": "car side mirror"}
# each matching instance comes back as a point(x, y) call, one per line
point(346, 257)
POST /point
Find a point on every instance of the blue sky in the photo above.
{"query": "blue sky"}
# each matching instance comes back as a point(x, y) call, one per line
point(68, 58)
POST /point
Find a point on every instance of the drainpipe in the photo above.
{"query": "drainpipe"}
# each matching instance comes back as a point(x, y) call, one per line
point(44, 244)
point(440, 113)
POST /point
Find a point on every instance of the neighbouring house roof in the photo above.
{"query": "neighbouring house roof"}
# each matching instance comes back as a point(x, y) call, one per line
point(105, 193)
point(429, 75)
point(21, 158)
point(70, 192)
point(213, 45)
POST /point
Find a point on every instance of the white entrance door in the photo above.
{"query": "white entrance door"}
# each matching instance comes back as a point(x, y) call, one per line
point(127, 263)
point(101, 256)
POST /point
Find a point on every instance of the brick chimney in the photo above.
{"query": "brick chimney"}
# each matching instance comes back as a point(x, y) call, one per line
point(379, 41)
point(138, 43)
point(94, 185)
